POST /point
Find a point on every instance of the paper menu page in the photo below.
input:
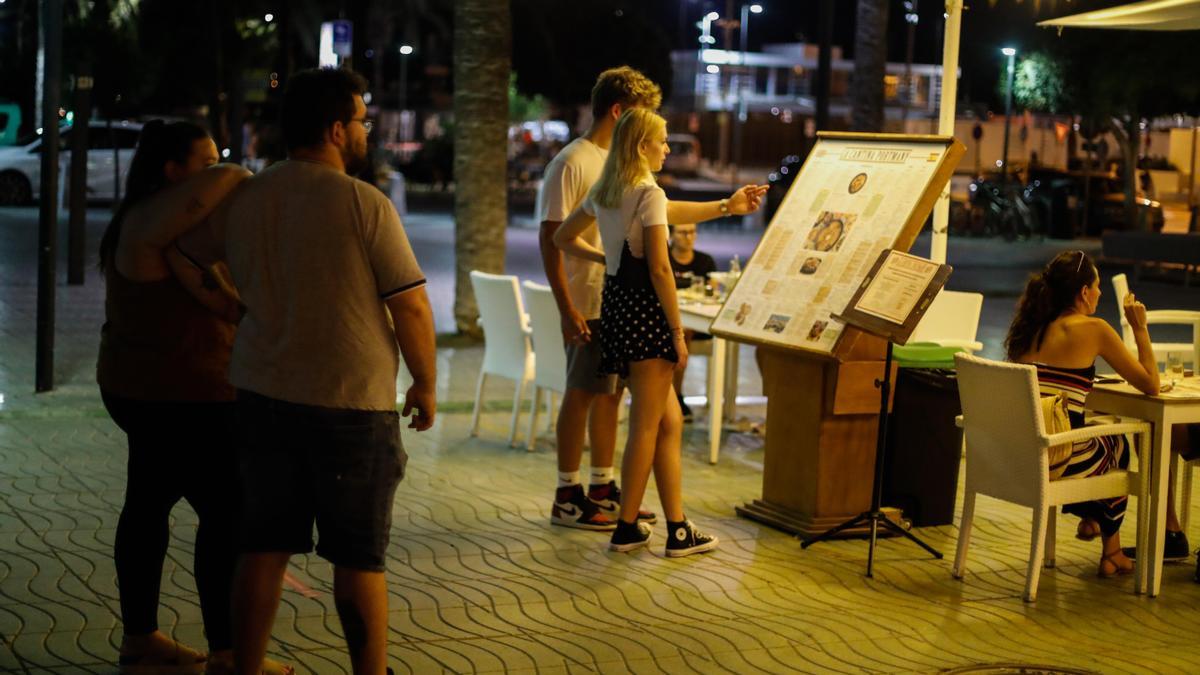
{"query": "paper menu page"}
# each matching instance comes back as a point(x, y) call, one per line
point(897, 287)
point(850, 201)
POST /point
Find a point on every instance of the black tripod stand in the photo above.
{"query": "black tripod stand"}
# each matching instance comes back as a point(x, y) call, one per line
point(875, 516)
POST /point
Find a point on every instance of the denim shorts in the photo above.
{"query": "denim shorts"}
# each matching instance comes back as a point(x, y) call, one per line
point(300, 465)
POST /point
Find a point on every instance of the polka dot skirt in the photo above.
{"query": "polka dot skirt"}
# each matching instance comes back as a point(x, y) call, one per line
point(633, 328)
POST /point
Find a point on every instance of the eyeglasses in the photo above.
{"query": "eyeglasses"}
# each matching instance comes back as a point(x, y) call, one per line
point(367, 124)
point(1078, 266)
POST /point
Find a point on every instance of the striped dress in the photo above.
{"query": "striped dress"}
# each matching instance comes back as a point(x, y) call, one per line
point(1091, 457)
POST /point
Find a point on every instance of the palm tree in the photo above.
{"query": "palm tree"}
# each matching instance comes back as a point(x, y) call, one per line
point(870, 61)
point(482, 53)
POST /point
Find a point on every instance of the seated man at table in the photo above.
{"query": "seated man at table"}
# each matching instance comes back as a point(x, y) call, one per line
point(687, 263)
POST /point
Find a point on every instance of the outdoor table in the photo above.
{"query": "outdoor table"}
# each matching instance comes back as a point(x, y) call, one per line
point(1180, 405)
point(722, 378)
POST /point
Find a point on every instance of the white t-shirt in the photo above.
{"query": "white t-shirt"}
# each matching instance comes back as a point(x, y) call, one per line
point(642, 206)
point(565, 184)
point(314, 254)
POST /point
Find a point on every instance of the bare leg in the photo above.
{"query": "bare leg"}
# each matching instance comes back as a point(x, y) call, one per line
point(1172, 514)
point(1112, 560)
point(602, 428)
point(572, 421)
point(256, 590)
point(668, 474)
point(361, 600)
point(650, 384)
point(678, 380)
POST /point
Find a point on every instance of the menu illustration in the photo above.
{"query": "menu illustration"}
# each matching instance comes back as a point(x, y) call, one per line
point(854, 196)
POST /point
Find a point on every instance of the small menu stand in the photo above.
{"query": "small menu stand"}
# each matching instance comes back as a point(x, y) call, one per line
point(889, 304)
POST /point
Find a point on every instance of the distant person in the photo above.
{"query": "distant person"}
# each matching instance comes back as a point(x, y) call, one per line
point(687, 264)
point(1055, 330)
point(331, 289)
point(164, 353)
point(641, 336)
point(592, 400)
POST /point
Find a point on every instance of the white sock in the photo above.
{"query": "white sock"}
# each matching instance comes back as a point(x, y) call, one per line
point(568, 478)
point(601, 475)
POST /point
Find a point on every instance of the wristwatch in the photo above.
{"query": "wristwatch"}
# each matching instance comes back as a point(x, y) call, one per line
point(724, 206)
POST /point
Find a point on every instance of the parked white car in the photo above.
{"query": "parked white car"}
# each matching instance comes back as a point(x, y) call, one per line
point(21, 164)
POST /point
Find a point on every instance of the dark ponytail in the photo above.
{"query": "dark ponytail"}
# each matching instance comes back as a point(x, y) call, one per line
point(158, 143)
point(1047, 295)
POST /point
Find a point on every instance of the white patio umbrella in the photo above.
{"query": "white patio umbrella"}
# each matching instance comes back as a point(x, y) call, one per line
point(1166, 15)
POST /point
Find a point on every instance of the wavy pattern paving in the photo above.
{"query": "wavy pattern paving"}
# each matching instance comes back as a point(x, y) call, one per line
point(479, 582)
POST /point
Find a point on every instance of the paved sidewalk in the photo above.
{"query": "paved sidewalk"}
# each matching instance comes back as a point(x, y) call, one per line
point(480, 582)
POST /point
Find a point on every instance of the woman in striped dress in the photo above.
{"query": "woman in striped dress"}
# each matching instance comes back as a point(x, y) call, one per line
point(1055, 330)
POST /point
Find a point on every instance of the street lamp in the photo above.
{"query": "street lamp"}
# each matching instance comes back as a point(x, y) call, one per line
point(405, 50)
point(1011, 53)
point(705, 25)
point(744, 25)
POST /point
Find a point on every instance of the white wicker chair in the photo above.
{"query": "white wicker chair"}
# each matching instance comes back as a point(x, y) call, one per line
point(952, 320)
point(506, 349)
point(551, 366)
point(1006, 459)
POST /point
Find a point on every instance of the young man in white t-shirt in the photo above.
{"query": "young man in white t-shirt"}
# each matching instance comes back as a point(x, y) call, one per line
point(591, 402)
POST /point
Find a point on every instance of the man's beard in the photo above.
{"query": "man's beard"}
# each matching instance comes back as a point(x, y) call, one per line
point(355, 162)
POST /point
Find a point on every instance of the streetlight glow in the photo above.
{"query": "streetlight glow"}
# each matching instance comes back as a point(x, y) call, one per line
point(712, 16)
point(406, 49)
point(268, 18)
point(757, 9)
point(713, 69)
point(1008, 51)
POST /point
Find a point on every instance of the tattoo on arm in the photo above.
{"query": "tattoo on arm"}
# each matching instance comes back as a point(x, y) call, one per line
point(195, 206)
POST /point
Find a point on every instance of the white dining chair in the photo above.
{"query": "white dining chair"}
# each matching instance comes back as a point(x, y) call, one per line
point(550, 373)
point(507, 351)
point(1188, 351)
point(952, 320)
point(1006, 458)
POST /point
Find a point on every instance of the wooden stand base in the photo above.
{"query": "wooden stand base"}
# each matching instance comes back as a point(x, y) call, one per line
point(803, 524)
point(822, 419)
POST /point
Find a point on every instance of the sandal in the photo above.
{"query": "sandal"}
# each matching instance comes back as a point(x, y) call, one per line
point(174, 658)
point(222, 664)
point(1088, 530)
point(1117, 570)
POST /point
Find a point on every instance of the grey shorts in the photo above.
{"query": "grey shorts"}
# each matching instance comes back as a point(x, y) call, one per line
point(583, 365)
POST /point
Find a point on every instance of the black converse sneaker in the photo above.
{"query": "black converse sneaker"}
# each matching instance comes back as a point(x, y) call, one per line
point(572, 508)
point(629, 536)
point(607, 498)
point(684, 539)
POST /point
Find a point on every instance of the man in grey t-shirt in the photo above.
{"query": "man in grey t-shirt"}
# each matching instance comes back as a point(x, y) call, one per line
point(334, 297)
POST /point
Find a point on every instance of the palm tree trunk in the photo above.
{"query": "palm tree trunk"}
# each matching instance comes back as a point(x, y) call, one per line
point(482, 61)
point(870, 62)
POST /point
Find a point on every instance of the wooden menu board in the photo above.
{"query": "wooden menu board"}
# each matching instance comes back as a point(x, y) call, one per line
point(855, 195)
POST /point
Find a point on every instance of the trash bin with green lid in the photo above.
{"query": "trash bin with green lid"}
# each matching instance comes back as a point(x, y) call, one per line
point(920, 472)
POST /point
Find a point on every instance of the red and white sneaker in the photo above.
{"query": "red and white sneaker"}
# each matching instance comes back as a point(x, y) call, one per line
point(607, 498)
point(572, 508)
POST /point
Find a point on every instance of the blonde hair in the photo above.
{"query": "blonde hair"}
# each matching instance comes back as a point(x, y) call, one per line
point(625, 86)
point(626, 165)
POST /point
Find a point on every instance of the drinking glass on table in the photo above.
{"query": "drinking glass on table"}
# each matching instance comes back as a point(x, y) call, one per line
point(1174, 367)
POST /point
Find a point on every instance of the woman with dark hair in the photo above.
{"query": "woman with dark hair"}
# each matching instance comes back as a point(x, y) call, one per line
point(164, 354)
point(1055, 330)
